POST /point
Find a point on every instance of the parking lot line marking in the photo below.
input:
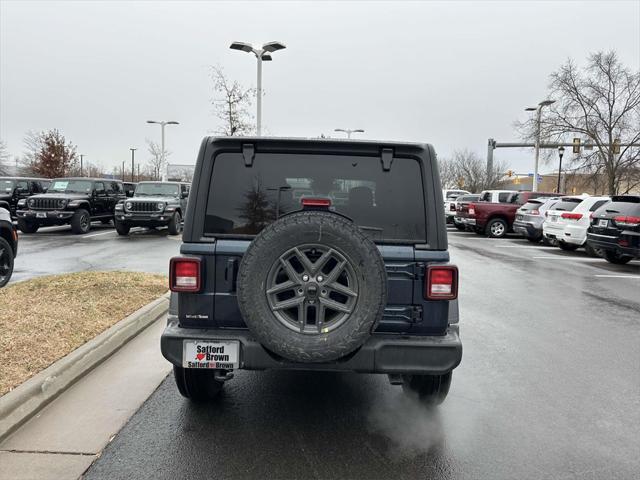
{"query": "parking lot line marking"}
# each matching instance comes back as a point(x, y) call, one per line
point(96, 234)
point(524, 246)
point(562, 257)
point(617, 276)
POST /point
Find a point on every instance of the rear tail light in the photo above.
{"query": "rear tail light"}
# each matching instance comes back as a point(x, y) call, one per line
point(627, 221)
point(441, 282)
point(572, 216)
point(185, 274)
point(535, 212)
point(623, 243)
point(472, 209)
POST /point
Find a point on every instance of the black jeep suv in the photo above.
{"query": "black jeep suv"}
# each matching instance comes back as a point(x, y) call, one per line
point(615, 229)
point(154, 204)
point(14, 189)
point(75, 201)
point(314, 255)
point(8, 246)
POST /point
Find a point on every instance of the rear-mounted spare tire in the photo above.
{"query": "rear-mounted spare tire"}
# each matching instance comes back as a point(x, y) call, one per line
point(312, 287)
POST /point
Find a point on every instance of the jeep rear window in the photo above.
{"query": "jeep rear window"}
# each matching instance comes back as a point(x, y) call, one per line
point(388, 206)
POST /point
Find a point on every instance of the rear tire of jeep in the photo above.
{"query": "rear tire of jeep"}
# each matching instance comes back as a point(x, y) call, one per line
point(197, 384)
point(174, 224)
point(80, 222)
point(496, 228)
point(27, 227)
point(428, 389)
point(312, 287)
point(616, 258)
point(567, 247)
point(122, 229)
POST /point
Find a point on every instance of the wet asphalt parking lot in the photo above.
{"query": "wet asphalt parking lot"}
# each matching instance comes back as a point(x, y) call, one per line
point(548, 388)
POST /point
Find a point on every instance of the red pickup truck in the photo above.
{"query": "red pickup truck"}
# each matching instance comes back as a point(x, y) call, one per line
point(495, 218)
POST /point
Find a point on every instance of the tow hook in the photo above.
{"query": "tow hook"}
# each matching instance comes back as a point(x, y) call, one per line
point(395, 379)
point(223, 377)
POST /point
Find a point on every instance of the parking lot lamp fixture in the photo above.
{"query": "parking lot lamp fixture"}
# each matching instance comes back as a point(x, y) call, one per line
point(560, 154)
point(349, 131)
point(262, 53)
point(538, 110)
point(163, 166)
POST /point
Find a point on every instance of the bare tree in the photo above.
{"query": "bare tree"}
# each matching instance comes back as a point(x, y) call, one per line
point(465, 169)
point(33, 143)
point(154, 164)
point(232, 103)
point(4, 159)
point(600, 103)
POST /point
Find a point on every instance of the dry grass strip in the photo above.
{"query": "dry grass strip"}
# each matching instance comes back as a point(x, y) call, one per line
point(44, 319)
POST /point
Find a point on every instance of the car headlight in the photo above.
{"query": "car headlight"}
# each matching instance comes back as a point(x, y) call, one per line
point(32, 202)
point(128, 205)
point(22, 202)
point(160, 206)
point(62, 203)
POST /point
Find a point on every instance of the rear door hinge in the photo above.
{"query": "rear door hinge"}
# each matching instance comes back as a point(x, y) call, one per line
point(248, 153)
point(386, 156)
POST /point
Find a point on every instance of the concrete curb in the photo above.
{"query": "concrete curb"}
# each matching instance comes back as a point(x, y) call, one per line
point(24, 401)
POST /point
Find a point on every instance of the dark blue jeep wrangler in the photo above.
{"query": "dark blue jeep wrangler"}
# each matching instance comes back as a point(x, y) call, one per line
point(314, 255)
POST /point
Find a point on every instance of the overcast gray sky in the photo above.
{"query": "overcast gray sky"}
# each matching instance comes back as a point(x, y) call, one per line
point(449, 73)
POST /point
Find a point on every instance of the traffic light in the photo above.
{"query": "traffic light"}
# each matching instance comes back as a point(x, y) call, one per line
point(615, 148)
point(576, 145)
point(509, 173)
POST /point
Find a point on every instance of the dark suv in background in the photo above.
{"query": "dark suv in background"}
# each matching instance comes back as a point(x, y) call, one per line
point(14, 189)
point(74, 201)
point(615, 229)
point(314, 255)
point(154, 204)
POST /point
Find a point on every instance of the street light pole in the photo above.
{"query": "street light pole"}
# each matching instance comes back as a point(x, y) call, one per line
point(262, 53)
point(349, 131)
point(163, 167)
point(133, 152)
point(538, 110)
point(560, 154)
point(81, 159)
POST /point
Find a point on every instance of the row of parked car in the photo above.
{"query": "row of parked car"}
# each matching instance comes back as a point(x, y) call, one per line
point(79, 201)
point(604, 226)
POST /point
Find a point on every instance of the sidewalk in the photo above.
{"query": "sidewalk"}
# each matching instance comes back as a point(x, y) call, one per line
point(64, 439)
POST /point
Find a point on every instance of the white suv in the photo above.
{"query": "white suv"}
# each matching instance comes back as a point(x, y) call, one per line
point(568, 220)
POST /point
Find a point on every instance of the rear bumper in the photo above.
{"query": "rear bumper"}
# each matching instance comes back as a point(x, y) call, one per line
point(574, 234)
point(401, 354)
point(527, 229)
point(631, 243)
point(471, 222)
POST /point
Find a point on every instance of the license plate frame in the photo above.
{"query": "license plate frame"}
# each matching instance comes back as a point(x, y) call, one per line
point(41, 214)
point(603, 223)
point(212, 354)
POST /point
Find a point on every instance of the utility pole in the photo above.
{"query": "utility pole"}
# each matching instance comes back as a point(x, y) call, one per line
point(262, 53)
point(138, 172)
point(538, 110)
point(560, 154)
point(133, 153)
point(81, 161)
point(123, 170)
point(490, 147)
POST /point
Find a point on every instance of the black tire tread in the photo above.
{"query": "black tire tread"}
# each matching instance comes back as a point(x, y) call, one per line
point(197, 385)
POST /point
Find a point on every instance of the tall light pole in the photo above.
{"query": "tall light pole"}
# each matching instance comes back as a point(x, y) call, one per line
point(349, 131)
point(163, 167)
point(262, 53)
point(133, 153)
point(81, 161)
point(538, 110)
point(560, 154)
